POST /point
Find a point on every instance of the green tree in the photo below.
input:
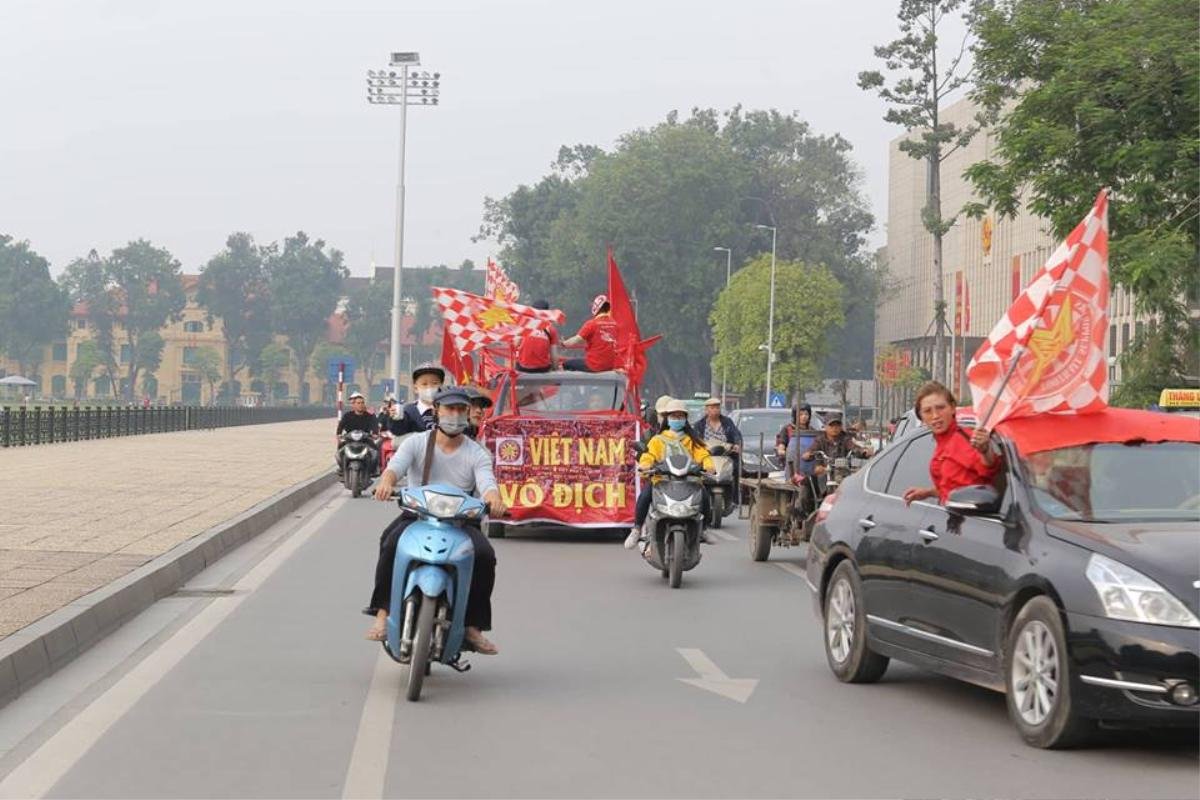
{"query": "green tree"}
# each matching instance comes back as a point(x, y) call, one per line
point(33, 308)
point(808, 305)
point(272, 362)
point(206, 362)
point(305, 283)
point(923, 80)
point(86, 281)
point(233, 286)
point(87, 358)
point(1086, 94)
point(368, 314)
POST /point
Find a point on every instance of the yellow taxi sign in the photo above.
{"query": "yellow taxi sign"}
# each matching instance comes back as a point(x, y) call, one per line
point(1179, 398)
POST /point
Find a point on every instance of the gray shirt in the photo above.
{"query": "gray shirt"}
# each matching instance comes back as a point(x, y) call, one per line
point(468, 468)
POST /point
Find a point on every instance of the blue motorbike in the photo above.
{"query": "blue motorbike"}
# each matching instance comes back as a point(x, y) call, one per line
point(434, 561)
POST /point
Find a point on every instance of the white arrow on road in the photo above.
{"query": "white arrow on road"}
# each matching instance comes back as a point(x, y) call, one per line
point(712, 679)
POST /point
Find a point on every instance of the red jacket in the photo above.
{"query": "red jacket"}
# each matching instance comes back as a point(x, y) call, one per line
point(956, 463)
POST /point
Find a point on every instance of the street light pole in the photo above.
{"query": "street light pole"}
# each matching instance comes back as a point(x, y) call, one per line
point(728, 274)
point(386, 87)
point(770, 315)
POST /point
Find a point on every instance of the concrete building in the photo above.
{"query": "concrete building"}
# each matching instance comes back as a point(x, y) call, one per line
point(986, 264)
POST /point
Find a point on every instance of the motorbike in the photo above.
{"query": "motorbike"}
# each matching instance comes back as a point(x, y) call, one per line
point(676, 516)
point(434, 562)
point(836, 471)
point(720, 484)
point(358, 461)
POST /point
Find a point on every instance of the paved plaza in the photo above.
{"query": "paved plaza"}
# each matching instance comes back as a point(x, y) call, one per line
point(77, 516)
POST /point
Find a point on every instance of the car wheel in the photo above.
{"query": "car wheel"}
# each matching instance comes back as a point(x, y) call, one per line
point(846, 648)
point(1037, 678)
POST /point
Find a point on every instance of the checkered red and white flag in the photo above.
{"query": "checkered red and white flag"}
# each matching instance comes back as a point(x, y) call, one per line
point(1047, 353)
point(497, 284)
point(474, 321)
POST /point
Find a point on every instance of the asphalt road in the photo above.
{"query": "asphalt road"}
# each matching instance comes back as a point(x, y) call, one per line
point(270, 691)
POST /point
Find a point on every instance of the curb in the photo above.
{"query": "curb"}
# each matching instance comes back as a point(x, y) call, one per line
point(46, 646)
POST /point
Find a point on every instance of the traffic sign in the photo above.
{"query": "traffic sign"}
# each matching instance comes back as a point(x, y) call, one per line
point(346, 363)
point(778, 400)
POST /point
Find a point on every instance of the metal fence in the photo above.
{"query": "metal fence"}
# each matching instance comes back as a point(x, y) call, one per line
point(25, 426)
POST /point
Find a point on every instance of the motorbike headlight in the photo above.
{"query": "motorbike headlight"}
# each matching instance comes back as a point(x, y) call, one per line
point(681, 508)
point(442, 505)
point(1127, 594)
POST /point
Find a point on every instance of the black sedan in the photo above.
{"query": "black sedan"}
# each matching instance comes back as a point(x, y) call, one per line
point(1071, 585)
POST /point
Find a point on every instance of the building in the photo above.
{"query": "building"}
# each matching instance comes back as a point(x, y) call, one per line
point(986, 264)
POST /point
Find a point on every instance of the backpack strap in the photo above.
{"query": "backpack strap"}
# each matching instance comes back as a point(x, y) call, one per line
point(430, 447)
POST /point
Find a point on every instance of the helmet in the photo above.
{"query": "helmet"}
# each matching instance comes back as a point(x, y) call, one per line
point(660, 405)
point(429, 368)
point(599, 302)
point(356, 396)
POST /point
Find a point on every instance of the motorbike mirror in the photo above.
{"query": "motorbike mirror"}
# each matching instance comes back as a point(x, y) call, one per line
point(639, 447)
point(974, 500)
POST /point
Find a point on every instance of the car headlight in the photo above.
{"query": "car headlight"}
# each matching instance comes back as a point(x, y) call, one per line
point(1127, 594)
point(442, 505)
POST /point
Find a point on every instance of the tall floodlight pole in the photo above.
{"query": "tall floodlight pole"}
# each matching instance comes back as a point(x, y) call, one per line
point(728, 274)
point(398, 86)
point(770, 316)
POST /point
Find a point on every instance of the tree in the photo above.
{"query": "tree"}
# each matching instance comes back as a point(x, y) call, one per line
point(304, 282)
point(33, 308)
point(233, 286)
point(272, 362)
point(368, 313)
point(87, 358)
point(206, 362)
point(916, 97)
point(86, 282)
point(1086, 94)
point(808, 306)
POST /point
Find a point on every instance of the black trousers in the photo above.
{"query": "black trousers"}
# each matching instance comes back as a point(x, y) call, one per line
point(576, 365)
point(483, 577)
point(523, 368)
point(642, 509)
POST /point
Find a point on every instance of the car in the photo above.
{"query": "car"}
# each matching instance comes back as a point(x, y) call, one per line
point(1070, 585)
point(759, 427)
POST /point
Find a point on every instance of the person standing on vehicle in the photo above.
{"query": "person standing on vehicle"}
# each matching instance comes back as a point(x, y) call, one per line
point(537, 347)
point(455, 461)
point(959, 458)
point(356, 419)
point(418, 415)
point(675, 430)
point(598, 337)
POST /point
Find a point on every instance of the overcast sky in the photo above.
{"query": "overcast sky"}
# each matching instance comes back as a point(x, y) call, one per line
point(183, 120)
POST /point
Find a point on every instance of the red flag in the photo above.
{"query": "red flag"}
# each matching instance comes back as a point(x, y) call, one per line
point(631, 348)
point(458, 365)
point(1046, 354)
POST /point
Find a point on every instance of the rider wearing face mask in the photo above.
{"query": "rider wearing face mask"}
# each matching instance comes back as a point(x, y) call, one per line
point(675, 429)
point(457, 461)
point(418, 415)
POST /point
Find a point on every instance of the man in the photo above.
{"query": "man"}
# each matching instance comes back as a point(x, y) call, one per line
point(480, 403)
point(418, 415)
point(356, 419)
point(537, 347)
point(385, 414)
point(598, 337)
point(459, 462)
point(834, 443)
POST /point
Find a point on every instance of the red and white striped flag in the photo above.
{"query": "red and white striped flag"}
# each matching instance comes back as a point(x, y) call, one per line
point(473, 321)
point(497, 285)
point(1047, 353)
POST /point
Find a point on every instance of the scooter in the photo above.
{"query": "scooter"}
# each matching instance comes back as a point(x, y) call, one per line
point(434, 562)
point(836, 471)
point(676, 515)
point(720, 484)
point(358, 461)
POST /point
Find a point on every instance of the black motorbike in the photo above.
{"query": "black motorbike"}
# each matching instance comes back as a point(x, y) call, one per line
point(676, 517)
point(723, 499)
point(359, 458)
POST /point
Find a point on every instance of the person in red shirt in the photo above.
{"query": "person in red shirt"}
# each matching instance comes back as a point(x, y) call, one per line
point(599, 338)
point(960, 458)
point(537, 348)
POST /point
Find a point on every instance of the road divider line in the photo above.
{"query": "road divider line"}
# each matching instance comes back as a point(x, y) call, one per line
point(372, 742)
point(792, 568)
point(45, 767)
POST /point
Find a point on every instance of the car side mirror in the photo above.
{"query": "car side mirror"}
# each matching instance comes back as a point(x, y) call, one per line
point(639, 447)
point(974, 500)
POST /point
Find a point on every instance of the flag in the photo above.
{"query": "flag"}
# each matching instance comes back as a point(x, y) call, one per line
point(497, 285)
point(473, 321)
point(631, 348)
point(456, 363)
point(1047, 353)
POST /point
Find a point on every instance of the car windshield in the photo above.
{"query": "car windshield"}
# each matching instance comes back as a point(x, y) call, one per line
point(765, 423)
point(553, 396)
point(1117, 482)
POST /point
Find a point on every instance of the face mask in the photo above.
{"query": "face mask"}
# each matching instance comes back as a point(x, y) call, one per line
point(676, 424)
point(426, 395)
point(452, 426)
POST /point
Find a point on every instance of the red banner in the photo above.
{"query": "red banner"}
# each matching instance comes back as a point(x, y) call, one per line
point(579, 471)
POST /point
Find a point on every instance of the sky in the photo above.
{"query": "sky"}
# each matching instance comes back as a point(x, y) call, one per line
point(182, 121)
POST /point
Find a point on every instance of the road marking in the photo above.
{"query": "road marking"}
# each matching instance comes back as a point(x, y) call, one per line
point(46, 766)
point(729, 537)
point(713, 679)
point(792, 568)
point(369, 760)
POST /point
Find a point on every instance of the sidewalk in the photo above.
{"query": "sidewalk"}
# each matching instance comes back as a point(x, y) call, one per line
point(74, 517)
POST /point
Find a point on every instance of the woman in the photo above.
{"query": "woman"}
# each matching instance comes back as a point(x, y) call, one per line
point(675, 430)
point(959, 458)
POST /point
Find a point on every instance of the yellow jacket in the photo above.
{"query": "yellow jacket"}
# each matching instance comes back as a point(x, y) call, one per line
point(656, 450)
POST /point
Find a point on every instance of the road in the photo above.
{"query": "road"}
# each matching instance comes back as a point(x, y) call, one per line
point(255, 682)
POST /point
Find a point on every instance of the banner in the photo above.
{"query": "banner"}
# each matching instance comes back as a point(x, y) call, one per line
point(579, 472)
